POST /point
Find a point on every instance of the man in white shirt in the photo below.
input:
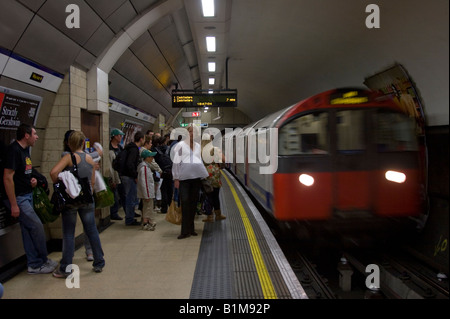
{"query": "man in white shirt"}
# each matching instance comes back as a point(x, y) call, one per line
point(188, 170)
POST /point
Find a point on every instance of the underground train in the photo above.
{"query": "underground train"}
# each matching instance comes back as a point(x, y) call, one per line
point(344, 160)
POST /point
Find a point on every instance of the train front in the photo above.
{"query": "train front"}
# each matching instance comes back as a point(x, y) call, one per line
point(351, 161)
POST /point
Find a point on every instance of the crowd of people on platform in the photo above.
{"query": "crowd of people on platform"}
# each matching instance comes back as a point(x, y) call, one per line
point(147, 179)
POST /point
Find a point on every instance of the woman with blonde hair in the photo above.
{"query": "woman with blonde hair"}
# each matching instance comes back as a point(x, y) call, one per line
point(85, 166)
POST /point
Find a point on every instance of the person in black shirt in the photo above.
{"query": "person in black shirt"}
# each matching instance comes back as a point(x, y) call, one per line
point(19, 189)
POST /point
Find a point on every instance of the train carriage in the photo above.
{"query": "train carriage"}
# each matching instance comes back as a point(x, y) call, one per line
point(345, 157)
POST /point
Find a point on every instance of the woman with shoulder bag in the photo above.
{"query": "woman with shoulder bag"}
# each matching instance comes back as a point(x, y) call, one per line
point(212, 165)
point(85, 169)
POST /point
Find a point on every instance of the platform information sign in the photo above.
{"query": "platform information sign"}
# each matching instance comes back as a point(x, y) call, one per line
point(190, 98)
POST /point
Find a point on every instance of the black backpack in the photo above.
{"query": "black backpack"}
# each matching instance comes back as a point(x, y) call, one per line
point(119, 162)
point(163, 160)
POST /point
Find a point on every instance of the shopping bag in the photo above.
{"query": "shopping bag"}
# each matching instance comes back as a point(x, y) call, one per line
point(42, 206)
point(100, 183)
point(104, 198)
point(174, 214)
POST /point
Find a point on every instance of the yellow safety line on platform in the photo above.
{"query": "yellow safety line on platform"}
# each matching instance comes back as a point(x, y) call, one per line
point(264, 278)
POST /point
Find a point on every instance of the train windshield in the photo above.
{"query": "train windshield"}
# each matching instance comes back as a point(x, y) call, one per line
point(350, 131)
point(307, 134)
point(394, 132)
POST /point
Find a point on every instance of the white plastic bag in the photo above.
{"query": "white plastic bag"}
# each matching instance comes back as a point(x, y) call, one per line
point(99, 182)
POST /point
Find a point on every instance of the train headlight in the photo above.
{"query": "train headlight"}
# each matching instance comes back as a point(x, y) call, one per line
point(396, 177)
point(306, 180)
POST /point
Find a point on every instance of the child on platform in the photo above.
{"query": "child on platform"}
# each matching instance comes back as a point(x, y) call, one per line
point(146, 189)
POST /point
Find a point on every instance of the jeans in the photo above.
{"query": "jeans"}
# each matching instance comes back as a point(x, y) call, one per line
point(114, 209)
point(131, 196)
point(69, 221)
point(33, 234)
point(189, 195)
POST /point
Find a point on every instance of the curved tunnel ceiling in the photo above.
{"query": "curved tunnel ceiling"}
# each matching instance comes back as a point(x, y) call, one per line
point(279, 52)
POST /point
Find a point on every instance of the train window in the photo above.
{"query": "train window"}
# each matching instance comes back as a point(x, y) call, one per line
point(350, 131)
point(307, 134)
point(394, 132)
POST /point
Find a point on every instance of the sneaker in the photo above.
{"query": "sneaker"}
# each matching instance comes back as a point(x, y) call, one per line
point(116, 218)
point(60, 274)
point(97, 269)
point(90, 257)
point(51, 263)
point(44, 269)
point(148, 227)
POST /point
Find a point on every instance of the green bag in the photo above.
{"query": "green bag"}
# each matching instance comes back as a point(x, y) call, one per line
point(42, 206)
point(104, 198)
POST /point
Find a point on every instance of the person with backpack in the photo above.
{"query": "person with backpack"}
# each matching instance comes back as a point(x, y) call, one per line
point(129, 160)
point(162, 158)
point(116, 185)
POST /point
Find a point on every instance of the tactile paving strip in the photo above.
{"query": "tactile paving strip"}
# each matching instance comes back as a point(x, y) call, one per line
point(225, 266)
point(212, 278)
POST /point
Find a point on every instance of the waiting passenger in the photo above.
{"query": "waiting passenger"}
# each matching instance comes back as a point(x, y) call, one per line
point(19, 188)
point(166, 183)
point(146, 189)
point(129, 177)
point(213, 167)
point(156, 170)
point(67, 150)
point(188, 170)
point(116, 185)
point(87, 212)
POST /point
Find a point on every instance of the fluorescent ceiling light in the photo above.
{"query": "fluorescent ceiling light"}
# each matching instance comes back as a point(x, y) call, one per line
point(212, 81)
point(211, 44)
point(212, 66)
point(208, 8)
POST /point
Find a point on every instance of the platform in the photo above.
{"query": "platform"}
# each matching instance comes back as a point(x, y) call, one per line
point(236, 258)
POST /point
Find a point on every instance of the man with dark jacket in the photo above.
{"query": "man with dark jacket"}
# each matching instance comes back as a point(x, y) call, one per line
point(129, 177)
point(162, 158)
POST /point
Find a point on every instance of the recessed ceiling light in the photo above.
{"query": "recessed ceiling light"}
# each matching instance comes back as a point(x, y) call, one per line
point(208, 8)
point(212, 81)
point(212, 66)
point(211, 44)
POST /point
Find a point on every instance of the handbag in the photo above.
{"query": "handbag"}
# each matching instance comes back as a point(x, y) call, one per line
point(61, 199)
point(174, 214)
point(207, 185)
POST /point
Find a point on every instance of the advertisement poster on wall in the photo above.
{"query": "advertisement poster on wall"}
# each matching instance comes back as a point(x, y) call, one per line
point(16, 107)
point(130, 128)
